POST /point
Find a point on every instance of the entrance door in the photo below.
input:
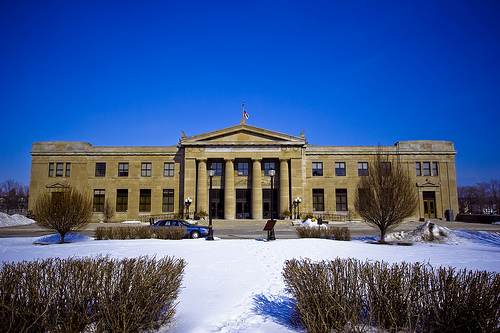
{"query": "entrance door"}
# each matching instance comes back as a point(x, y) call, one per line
point(429, 204)
point(243, 204)
point(217, 209)
point(266, 203)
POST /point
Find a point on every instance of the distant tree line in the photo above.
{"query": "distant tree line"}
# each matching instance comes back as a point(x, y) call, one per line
point(482, 198)
point(13, 197)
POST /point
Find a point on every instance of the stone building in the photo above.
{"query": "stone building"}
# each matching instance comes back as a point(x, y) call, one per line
point(155, 181)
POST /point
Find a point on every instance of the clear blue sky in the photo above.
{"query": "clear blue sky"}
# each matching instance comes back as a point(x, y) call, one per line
point(347, 72)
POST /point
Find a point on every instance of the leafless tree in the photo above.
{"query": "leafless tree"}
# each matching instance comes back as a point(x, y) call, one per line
point(63, 211)
point(109, 211)
point(13, 193)
point(386, 196)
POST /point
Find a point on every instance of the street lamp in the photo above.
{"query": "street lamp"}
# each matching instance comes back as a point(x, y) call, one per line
point(21, 204)
point(2, 204)
point(211, 173)
point(188, 203)
point(296, 204)
point(272, 173)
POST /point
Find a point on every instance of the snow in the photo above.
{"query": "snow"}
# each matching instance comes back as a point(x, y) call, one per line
point(236, 285)
point(13, 220)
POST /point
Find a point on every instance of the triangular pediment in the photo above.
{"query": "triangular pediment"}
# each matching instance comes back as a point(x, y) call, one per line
point(427, 183)
point(242, 135)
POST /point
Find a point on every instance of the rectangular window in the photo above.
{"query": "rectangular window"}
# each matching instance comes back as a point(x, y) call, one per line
point(51, 169)
point(100, 169)
point(59, 169)
point(427, 168)
point(121, 200)
point(339, 168)
point(217, 166)
point(317, 168)
point(268, 166)
point(145, 201)
point(168, 201)
point(68, 169)
point(318, 200)
point(341, 199)
point(418, 168)
point(362, 168)
point(242, 169)
point(99, 200)
point(434, 168)
point(146, 169)
point(122, 169)
point(168, 169)
point(385, 168)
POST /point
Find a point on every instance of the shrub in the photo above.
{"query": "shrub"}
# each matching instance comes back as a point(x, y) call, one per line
point(337, 233)
point(350, 295)
point(174, 233)
point(73, 295)
point(142, 232)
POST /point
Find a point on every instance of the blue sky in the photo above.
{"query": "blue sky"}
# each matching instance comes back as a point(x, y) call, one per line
point(137, 73)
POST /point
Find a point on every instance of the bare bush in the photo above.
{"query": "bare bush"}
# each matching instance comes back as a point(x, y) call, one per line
point(386, 196)
point(109, 211)
point(350, 295)
point(63, 212)
point(174, 233)
point(76, 295)
point(142, 232)
point(336, 233)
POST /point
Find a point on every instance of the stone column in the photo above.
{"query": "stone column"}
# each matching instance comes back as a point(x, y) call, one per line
point(202, 187)
point(284, 196)
point(229, 192)
point(256, 190)
point(189, 185)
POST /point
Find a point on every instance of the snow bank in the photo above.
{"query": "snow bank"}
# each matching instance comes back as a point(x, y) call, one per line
point(68, 238)
point(311, 223)
point(13, 220)
point(426, 233)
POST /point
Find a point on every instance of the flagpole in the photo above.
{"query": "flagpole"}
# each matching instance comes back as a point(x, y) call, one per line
point(242, 109)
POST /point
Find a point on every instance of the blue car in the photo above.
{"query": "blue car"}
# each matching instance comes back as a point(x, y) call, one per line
point(191, 232)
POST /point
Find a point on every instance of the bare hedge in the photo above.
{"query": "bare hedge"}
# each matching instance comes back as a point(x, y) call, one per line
point(350, 295)
point(139, 232)
point(337, 233)
point(81, 294)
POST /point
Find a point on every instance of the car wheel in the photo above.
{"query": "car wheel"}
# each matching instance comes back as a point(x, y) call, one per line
point(195, 234)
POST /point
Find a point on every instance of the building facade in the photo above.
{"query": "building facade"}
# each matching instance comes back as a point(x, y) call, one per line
point(152, 181)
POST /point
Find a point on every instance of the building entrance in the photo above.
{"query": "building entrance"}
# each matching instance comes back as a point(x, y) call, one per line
point(429, 198)
point(243, 204)
point(217, 209)
point(266, 203)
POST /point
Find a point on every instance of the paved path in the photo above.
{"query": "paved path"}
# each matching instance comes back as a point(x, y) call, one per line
point(253, 229)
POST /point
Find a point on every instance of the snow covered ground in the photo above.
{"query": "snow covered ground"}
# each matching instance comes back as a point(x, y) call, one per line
point(236, 285)
point(13, 220)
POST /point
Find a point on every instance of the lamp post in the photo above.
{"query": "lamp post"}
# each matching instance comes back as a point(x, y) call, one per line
point(211, 173)
point(21, 204)
point(296, 204)
point(2, 204)
point(188, 202)
point(272, 173)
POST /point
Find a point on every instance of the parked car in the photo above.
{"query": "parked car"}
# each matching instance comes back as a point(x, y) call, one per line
point(191, 232)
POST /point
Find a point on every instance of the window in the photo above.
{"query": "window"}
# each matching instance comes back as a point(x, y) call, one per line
point(145, 201)
point(385, 168)
point(99, 200)
point(339, 168)
point(427, 168)
point(317, 168)
point(434, 168)
point(121, 200)
point(100, 169)
point(146, 169)
point(268, 166)
point(318, 200)
point(168, 201)
point(51, 169)
point(59, 169)
point(217, 166)
point(122, 169)
point(68, 169)
point(362, 168)
point(168, 169)
point(341, 199)
point(419, 168)
point(242, 169)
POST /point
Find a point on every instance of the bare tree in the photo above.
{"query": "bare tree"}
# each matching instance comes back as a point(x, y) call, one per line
point(63, 211)
point(109, 211)
point(386, 196)
point(14, 194)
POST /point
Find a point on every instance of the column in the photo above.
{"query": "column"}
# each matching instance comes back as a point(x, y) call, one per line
point(229, 192)
point(202, 187)
point(256, 189)
point(190, 185)
point(284, 196)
